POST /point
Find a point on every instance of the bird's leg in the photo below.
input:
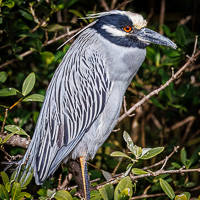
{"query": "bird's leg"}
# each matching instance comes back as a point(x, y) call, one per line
point(86, 183)
point(75, 169)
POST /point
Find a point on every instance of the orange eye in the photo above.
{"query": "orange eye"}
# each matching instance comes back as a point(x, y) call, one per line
point(127, 28)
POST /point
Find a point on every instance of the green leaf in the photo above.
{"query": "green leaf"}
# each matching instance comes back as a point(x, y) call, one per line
point(47, 57)
point(152, 152)
point(7, 137)
point(166, 30)
point(106, 175)
point(3, 77)
point(28, 180)
point(63, 195)
point(123, 188)
point(95, 195)
point(183, 156)
point(190, 184)
point(78, 14)
point(22, 195)
point(15, 129)
point(42, 192)
point(55, 27)
point(124, 195)
point(120, 154)
point(188, 195)
point(8, 186)
point(8, 92)
point(16, 189)
point(137, 171)
point(182, 196)
point(51, 193)
point(8, 3)
point(26, 15)
point(107, 192)
point(129, 141)
point(70, 3)
point(167, 188)
point(34, 97)
point(137, 151)
point(157, 61)
point(175, 165)
point(128, 169)
point(157, 103)
point(3, 193)
point(13, 175)
point(28, 84)
point(4, 177)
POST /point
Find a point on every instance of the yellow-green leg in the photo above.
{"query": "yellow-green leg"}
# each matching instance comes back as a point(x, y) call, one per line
point(86, 183)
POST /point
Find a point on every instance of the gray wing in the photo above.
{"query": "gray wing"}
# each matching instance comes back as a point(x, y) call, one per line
point(76, 96)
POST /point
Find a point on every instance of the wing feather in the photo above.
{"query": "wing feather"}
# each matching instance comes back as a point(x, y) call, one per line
point(75, 97)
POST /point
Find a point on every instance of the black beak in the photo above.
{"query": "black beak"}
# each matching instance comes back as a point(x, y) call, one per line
point(148, 36)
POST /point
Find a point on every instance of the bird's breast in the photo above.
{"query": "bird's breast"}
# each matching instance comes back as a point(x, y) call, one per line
point(124, 63)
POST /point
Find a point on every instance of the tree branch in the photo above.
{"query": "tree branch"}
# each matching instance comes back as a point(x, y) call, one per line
point(16, 140)
point(115, 180)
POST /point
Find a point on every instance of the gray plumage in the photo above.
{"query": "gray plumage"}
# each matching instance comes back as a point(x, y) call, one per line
point(84, 98)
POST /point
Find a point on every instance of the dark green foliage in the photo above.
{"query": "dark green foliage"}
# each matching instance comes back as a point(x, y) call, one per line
point(28, 32)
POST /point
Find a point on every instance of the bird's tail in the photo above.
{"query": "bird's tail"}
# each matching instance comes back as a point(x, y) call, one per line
point(25, 168)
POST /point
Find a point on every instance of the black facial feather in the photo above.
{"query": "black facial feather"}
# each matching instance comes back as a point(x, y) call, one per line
point(118, 21)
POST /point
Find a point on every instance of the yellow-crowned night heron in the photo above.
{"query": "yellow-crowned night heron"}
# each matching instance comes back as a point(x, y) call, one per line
point(84, 97)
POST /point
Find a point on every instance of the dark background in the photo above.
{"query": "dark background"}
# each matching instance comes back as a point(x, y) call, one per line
point(168, 119)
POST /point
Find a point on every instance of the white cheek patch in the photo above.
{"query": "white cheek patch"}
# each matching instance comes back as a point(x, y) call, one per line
point(114, 31)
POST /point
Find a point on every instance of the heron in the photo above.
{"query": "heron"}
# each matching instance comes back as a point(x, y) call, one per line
point(83, 100)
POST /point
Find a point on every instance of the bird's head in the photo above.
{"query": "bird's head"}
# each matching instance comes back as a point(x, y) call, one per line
point(127, 29)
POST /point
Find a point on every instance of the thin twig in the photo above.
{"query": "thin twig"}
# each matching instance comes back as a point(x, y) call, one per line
point(75, 186)
point(159, 172)
point(144, 196)
point(185, 20)
point(66, 181)
point(125, 110)
point(187, 131)
point(164, 160)
point(143, 141)
point(151, 13)
point(123, 4)
point(104, 5)
point(155, 121)
point(16, 103)
point(113, 3)
point(117, 166)
point(32, 50)
point(59, 181)
point(116, 130)
point(181, 123)
point(162, 15)
point(195, 45)
point(4, 120)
